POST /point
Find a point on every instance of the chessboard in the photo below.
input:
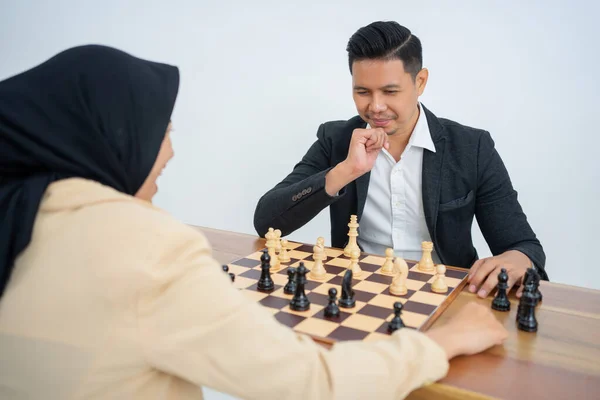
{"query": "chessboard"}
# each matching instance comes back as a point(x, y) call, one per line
point(368, 320)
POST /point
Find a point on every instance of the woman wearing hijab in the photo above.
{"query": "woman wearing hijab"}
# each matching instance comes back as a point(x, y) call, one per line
point(104, 295)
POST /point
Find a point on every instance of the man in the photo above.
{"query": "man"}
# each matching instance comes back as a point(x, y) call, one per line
point(408, 175)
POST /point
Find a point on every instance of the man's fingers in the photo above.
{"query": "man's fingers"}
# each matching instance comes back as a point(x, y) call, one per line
point(382, 137)
point(514, 279)
point(474, 269)
point(492, 280)
point(364, 136)
point(372, 139)
point(371, 142)
point(377, 140)
point(489, 284)
point(482, 272)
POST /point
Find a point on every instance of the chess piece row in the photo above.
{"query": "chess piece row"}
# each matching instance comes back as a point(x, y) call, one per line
point(278, 253)
point(277, 249)
point(399, 269)
point(530, 298)
point(426, 263)
point(396, 267)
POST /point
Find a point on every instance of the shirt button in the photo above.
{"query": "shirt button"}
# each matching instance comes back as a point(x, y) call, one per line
point(309, 190)
point(294, 198)
point(304, 192)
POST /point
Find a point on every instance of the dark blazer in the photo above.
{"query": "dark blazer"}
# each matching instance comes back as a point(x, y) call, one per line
point(464, 178)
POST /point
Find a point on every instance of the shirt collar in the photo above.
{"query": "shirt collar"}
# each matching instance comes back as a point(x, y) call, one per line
point(421, 136)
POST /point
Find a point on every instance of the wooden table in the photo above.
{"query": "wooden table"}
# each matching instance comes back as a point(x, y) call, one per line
point(560, 361)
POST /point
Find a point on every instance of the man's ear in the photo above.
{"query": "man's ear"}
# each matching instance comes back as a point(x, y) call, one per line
point(421, 80)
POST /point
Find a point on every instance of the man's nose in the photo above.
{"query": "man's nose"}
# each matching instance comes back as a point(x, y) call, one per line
point(377, 105)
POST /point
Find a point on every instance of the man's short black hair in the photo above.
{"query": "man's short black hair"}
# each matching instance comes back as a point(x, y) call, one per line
point(386, 41)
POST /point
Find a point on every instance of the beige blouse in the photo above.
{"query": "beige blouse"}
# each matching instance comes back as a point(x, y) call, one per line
point(115, 299)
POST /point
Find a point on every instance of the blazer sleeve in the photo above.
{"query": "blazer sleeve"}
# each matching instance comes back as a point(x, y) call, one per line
point(194, 324)
point(499, 214)
point(301, 195)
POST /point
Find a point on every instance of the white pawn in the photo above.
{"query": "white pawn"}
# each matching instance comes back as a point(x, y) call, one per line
point(439, 284)
point(283, 255)
point(317, 272)
point(398, 286)
point(270, 236)
point(354, 266)
point(388, 265)
point(426, 262)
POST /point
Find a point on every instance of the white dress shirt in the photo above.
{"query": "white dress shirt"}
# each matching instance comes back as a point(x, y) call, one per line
point(393, 215)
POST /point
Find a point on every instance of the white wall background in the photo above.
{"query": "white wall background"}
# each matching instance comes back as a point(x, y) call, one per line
point(258, 77)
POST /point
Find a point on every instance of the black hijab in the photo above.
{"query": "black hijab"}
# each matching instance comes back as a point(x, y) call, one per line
point(92, 112)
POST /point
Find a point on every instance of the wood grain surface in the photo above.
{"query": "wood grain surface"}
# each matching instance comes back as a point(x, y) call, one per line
point(560, 361)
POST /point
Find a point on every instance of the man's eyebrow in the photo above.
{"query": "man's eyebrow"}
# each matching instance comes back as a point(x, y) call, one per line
point(390, 86)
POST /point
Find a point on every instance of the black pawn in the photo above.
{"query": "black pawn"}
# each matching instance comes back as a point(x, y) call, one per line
point(332, 310)
point(265, 283)
point(225, 268)
point(347, 299)
point(290, 287)
point(396, 322)
point(300, 302)
point(526, 320)
point(232, 276)
point(501, 302)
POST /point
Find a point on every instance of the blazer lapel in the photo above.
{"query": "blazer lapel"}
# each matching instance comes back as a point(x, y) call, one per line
point(432, 174)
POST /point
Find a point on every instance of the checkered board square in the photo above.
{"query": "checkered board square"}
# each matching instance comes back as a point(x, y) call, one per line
point(369, 318)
